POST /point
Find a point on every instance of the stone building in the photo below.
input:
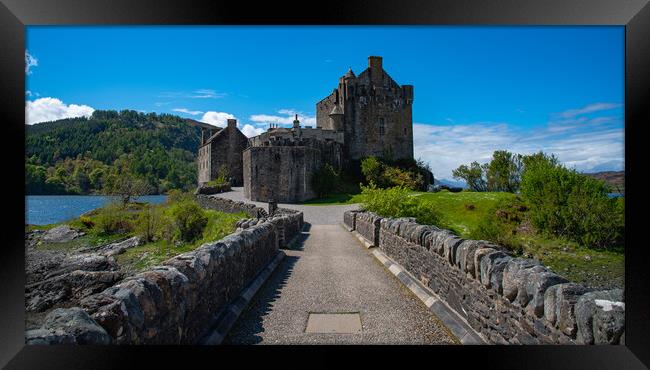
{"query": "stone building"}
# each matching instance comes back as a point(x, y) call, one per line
point(373, 111)
point(368, 114)
point(279, 164)
point(221, 148)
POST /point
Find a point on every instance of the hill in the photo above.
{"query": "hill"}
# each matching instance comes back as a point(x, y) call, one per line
point(615, 179)
point(83, 155)
point(451, 183)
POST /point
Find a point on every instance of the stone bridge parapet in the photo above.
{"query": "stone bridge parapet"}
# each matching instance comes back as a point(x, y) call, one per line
point(508, 300)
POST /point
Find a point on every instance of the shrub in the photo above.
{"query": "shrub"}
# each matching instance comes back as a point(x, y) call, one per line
point(372, 170)
point(189, 220)
point(566, 203)
point(397, 177)
point(326, 180)
point(148, 223)
point(112, 219)
point(501, 224)
point(86, 221)
point(397, 202)
point(176, 196)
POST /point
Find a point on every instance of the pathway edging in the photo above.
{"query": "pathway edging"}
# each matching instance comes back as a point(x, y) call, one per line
point(449, 317)
point(234, 310)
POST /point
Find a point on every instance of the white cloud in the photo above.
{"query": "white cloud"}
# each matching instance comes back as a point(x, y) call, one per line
point(219, 119)
point(588, 109)
point(251, 131)
point(586, 144)
point(187, 111)
point(52, 109)
point(30, 61)
point(206, 94)
point(286, 118)
point(196, 94)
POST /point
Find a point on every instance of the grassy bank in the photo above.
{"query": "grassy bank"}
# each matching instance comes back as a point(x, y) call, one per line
point(168, 229)
point(466, 213)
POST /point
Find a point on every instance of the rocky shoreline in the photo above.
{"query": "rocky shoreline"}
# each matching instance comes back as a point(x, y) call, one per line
point(59, 278)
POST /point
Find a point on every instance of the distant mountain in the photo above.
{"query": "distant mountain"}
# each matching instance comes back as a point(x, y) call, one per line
point(616, 179)
point(451, 183)
point(82, 155)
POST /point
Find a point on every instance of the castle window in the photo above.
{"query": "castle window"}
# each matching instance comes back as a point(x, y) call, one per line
point(381, 127)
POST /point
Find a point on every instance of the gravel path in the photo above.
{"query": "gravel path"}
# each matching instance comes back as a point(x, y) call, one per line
point(315, 215)
point(330, 272)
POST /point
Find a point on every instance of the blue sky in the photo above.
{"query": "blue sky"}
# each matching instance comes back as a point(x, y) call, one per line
point(477, 89)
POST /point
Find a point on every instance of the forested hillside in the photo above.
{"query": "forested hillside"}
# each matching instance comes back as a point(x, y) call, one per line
point(87, 155)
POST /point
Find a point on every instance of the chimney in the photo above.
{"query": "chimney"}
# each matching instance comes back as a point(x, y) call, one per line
point(374, 63)
point(232, 123)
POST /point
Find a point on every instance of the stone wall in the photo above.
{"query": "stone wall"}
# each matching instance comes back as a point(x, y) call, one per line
point(378, 118)
point(229, 206)
point(216, 189)
point(223, 149)
point(280, 173)
point(178, 302)
point(508, 300)
point(366, 224)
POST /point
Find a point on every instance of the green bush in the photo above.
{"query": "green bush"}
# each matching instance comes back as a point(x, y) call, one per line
point(501, 224)
point(176, 196)
point(326, 180)
point(397, 202)
point(397, 177)
point(566, 203)
point(372, 170)
point(189, 220)
point(403, 173)
point(112, 219)
point(148, 223)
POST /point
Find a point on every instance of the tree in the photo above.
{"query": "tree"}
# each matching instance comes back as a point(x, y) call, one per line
point(397, 177)
point(372, 169)
point(566, 203)
point(504, 171)
point(474, 175)
point(127, 186)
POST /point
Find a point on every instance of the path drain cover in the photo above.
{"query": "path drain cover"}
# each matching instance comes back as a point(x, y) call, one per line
point(336, 323)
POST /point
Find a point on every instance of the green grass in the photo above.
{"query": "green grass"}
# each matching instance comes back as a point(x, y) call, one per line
point(144, 256)
point(29, 228)
point(594, 267)
point(147, 255)
point(85, 241)
point(452, 207)
point(333, 200)
point(577, 263)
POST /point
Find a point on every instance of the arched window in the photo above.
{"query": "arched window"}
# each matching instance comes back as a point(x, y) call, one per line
point(381, 126)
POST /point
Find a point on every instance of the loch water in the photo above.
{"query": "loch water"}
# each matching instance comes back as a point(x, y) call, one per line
point(50, 209)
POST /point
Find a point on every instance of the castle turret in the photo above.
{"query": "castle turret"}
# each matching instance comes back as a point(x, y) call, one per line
point(336, 118)
point(296, 123)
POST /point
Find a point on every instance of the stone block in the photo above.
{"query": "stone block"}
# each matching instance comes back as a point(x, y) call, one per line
point(600, 317)
point(69, 326)
point(492, 266)
point(536, 285)
point(513, 276)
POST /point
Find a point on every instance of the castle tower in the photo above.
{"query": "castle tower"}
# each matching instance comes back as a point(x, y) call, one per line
point(377, 113)
point(336, 118)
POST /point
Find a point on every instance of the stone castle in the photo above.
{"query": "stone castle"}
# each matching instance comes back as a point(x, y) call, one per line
point(365, 115)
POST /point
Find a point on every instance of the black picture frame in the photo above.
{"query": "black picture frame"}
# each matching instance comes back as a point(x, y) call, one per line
point(16, 14)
